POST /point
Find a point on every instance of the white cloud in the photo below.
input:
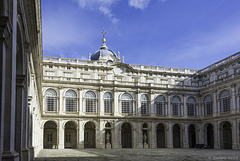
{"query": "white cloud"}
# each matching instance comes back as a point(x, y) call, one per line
point(104, 6)
point(138, 4)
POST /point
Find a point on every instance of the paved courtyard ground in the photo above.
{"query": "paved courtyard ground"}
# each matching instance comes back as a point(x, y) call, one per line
point(138, 155)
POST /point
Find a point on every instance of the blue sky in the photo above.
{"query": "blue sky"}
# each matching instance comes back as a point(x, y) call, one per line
point(168, 33)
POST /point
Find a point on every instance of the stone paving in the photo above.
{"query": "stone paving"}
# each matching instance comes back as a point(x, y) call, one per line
point(138, 155)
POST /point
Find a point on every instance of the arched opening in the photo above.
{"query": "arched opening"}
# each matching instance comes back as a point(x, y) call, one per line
point(145, 139)
point(126, 135)
point(210, 136)
point(89, 135)
point(70, 140)
point(176, 136)
point(161, 143)
point(50, 135)
point(226, 135)
point(108, 136)
point(192, 136)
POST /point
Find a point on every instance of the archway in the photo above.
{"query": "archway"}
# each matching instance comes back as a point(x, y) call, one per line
point(192, 136)
point(70, 140)
point(50, 135)
point(126, 135)
point(176, 136)
point(89, 135)
point(210, 136)
point(226, 135)
point(161, 143)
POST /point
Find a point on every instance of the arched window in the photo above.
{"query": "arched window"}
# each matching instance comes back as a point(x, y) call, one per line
point(51, 100)
point(224, 101)
point(144, 104)
point(107, 102)
point(191, 106)
point(90, 99)
point(160, 105)
point(208, 105)
point(127, 103)
point(176, 105)
point(71, 101)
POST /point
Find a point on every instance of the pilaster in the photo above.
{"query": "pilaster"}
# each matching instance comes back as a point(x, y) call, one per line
point(170, 136)
point(60, 100)
point(216, 135)
point(233, 100)
point(153, 135)
point(185, 112)
point(234, 134)
point(60, 131)
point(186, 137)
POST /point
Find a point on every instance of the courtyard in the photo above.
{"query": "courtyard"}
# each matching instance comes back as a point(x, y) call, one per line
point(138, 155)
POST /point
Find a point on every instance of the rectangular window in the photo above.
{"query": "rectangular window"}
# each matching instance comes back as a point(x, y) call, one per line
point(176, 108)
point(208, 108)
point(68, 137)
point(144, 107)
point(71, 104)
point(191, 109)
point(49, 137)
point(107, 106)
point(90, 105)
point(126, 106)
point(51, 103)
point(160, 108)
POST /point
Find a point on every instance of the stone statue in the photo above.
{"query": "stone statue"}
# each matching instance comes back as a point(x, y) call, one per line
point(108, 138)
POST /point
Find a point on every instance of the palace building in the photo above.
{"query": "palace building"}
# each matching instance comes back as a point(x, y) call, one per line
point(105, 103)
point(48, 102)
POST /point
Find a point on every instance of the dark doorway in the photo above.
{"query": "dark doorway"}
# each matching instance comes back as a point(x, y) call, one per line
point(50, 135)
point(70, 139)
point(226, 139)
point(161, 136)
point(210, 136)
point(89, 135)
point(126, 134)
point(176, 136)
point(192, 136)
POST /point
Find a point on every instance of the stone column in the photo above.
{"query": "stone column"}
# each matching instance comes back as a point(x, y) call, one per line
point(20, 85)
point(170, 136)
point(60, 131)
point(233, 101)
point(117, 132)
point(152, 107)
point(201, 136)
point(134, 136)
point(3, 48)
point(234, 134)
point(101, 135)
point(101, 103)
point(81, 134)
point(60, 101)
point(186, 137)
point(9, 153)
point(216, 111)
point(25, 138)
point(169, 111)
point(140, 135)
point(138, 104)
point(185, 114)
point(153, 136)
point(116, 102)
point(216, 136)
point(80, 102)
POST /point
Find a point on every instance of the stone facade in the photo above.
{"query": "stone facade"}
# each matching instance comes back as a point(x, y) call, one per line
point(118, 105)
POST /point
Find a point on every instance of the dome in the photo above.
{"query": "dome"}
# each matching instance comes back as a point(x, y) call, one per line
point(104, 51)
